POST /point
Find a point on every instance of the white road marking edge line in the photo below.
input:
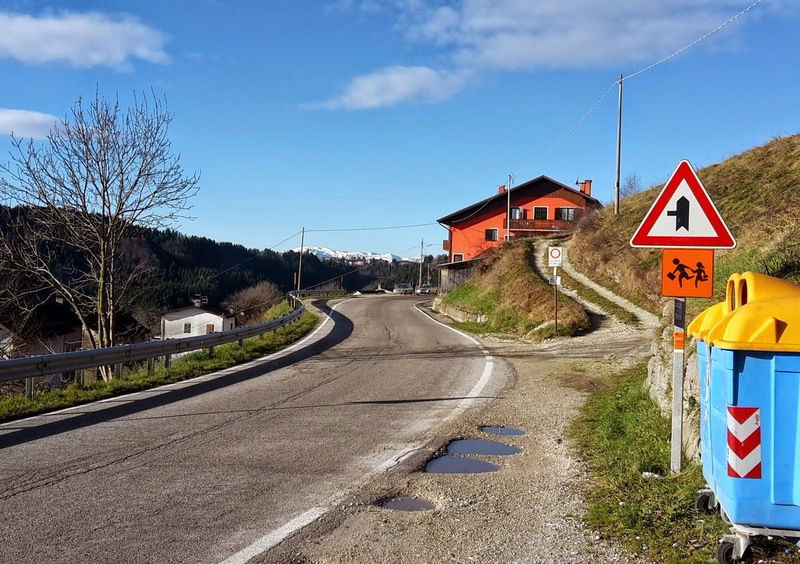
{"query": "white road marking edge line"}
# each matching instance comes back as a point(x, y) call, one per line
point(273, 538)
point(276, 536)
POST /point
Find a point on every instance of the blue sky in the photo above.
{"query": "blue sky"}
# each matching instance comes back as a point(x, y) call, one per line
point(363, 113)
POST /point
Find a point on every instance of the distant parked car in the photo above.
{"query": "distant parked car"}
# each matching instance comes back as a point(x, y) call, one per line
point(403, 288)
point(427, 289)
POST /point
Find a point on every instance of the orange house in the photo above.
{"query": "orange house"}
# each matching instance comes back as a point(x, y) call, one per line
point(539, 207)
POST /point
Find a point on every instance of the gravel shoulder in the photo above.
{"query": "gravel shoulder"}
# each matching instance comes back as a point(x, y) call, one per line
point(530, 511)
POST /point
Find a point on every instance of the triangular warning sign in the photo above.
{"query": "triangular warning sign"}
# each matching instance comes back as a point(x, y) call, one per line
point(683, 217)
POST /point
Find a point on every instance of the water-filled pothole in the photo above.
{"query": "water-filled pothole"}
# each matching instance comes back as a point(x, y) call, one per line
point(408, 504)
point(502, 430)
point(459, 465)
point(489, 448)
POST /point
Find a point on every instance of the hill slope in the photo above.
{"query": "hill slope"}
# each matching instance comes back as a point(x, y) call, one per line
point(758, 194)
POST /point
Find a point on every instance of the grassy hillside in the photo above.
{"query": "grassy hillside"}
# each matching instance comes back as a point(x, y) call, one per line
point(514, 298)
point(758, 194)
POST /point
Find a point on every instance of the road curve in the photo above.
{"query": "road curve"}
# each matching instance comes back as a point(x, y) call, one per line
point(222, 467)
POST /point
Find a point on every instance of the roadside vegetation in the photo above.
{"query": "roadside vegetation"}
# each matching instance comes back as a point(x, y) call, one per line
point(182, 368)
point(621, 434)
point(514, 299)
point(756, 193)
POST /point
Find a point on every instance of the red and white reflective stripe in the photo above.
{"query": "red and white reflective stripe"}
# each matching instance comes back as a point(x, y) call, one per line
point(744, 442)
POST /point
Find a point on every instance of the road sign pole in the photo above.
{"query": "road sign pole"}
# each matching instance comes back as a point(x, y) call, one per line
point(555, 294)
point(679, 345)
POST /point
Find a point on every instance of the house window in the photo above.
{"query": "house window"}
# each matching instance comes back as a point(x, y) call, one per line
point(209, 328)
point(516, 213)
point(565, 214)
point(187, 327)
point(540, 212)
point(491, 234)
point(458, 257)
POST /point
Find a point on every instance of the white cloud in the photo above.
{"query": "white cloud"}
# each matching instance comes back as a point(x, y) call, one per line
point(476, 36)
point(81, 40)
point(391, 85)
point(25, 123)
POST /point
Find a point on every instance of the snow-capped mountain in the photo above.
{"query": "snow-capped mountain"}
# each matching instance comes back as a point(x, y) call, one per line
point(325, 253)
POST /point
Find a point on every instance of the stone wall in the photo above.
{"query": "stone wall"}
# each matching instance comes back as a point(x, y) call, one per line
point(659, 384)
point(454, 312)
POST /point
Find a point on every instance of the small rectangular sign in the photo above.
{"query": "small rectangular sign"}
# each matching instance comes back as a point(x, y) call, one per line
point(687, 273)
point(555, 281)
point(554, 256)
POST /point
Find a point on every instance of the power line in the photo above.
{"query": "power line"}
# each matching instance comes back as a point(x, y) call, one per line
point(605, 95)
point(696, 41)
point(254, 257)
point(369, 228)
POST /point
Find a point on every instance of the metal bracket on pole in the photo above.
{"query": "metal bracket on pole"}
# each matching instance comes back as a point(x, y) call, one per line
point(679, 345)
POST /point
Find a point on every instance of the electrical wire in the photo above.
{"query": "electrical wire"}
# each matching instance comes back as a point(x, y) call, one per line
point(357, 269)
point(695, 42)
point(368, 228)
point(254, 257)
point(605, 95)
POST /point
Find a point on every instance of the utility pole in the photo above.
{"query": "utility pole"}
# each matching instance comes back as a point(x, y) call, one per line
point(300, 264)
point(619, 146)
point(421, 246)
point(508, 207)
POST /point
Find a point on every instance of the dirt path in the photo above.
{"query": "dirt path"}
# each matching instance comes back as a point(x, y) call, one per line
point(531, 510)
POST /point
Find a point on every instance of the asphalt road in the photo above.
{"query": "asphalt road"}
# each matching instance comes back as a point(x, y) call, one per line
point(225, 466)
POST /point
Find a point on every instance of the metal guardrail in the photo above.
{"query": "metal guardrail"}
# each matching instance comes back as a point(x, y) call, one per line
point(42, 365)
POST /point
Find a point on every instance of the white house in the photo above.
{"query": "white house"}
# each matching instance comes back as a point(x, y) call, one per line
point(193, 320)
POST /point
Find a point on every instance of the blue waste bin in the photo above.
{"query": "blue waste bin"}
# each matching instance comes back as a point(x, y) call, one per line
point(749, 369)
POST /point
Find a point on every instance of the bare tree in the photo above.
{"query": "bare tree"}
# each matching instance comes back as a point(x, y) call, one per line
point(72, 200)
point(250, 303)
point(631, 185)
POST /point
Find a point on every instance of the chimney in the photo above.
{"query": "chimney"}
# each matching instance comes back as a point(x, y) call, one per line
point(586, 187)
point(501, 189)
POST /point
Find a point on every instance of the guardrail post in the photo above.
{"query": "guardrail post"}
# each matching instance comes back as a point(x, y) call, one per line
point(167, 360)
point(118, 370)
point(241, 343)
point(151, 365)
point(29, 388)
point(210, 351)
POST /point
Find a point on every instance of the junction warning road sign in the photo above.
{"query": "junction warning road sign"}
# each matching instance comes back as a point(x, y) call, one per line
point(687, 273)
point(683, 217)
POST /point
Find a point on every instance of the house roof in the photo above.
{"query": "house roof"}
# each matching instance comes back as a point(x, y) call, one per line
point(538, 182)
point(209, 309)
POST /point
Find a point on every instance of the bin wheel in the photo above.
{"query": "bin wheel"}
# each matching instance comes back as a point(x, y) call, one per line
point(725, 554)
point(705, 503)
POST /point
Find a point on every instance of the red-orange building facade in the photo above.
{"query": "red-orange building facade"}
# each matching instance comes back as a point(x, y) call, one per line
point(541, 206)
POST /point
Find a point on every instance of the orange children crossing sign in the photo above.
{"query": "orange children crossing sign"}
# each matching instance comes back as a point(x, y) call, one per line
point(683, 217)
point(687, 273)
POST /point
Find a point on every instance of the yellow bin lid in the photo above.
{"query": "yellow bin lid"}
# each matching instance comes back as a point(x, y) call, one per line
point(760, 313)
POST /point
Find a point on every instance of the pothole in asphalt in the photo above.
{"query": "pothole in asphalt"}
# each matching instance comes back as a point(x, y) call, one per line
point(489, 448)
point(502, 430)
point(407, 504)
point(459, 465)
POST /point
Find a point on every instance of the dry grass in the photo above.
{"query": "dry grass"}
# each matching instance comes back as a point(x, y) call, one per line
point(758, 194)
point(515, 299)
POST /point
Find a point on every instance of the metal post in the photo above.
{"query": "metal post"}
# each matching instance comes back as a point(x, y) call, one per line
point(241, 343)
point(118, 370)
point(210, 351)
point(508, 209)
point(300, 264)
point(555, 293)
point(167, 360)
point(150, 365)
point(29, 388)
point(679, 342)
point(421, 246)
point(619, 147)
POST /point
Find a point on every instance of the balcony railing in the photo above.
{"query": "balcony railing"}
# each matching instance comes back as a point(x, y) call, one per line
point(545, 225)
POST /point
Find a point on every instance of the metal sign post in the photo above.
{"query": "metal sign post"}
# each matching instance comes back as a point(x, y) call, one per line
point(555, 255)
point(678, 369)
point(685, 223)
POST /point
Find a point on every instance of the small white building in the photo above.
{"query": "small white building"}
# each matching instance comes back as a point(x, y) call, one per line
point(192, 321)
